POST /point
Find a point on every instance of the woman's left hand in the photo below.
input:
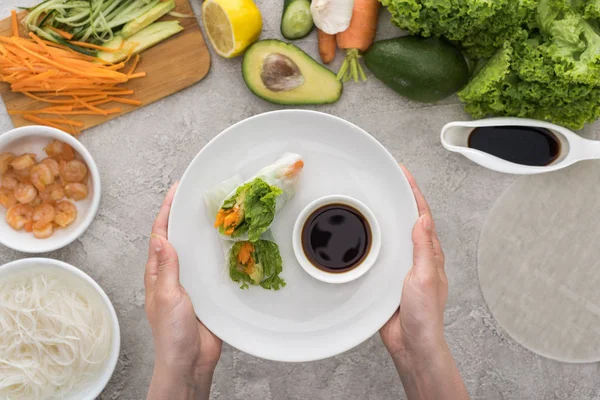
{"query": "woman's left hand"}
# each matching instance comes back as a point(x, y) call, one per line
point(186, 351)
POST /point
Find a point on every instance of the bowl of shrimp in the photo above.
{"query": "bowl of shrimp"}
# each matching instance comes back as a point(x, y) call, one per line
point(49, 189)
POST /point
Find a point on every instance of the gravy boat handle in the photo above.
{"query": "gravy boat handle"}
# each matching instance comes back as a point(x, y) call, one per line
point(585, 149)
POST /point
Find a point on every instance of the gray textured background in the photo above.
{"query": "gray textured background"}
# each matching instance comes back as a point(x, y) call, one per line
point(140, 155)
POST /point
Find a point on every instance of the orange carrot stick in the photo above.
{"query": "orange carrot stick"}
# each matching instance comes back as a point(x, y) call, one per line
point(96, 47)
point(358, 38)
point(126, 101)
point(39, 121)
point(65, 121)
point(135, 64)
point(14, 23)
point(327, 46)
point(64, 34)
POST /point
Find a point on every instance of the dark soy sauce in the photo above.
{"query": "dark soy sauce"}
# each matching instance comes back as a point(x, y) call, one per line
point(336, 238)
point(523, 145)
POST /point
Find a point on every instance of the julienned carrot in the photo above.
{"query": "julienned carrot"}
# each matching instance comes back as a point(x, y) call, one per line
point(126, 101)
point(96, 47)
point(71, 83)
point(65, 121)
point(136, 61)
point(14, 23)
point(358, 38)
point(62, 33)
point(327, 46)
point(39, 121)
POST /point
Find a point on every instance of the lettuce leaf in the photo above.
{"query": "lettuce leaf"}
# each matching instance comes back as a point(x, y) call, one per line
point(269, 257)
point(260, 207)
point(269, 265)
point(235, 273)
point(480, 26)
point(259, 202)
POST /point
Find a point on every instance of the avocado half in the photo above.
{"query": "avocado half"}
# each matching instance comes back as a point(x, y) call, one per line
point(281, 73)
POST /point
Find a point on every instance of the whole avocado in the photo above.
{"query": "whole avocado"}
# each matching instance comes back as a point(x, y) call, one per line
point(422, 69)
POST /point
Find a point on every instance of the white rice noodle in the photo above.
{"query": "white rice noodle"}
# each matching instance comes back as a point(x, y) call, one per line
point(54, 337)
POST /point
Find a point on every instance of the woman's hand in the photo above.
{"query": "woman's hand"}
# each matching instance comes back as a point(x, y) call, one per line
point(414, 336)
point(186, 352)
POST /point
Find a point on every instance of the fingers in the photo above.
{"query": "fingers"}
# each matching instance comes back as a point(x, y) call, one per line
point(167, 277)
point(161, 225)
point(421, 202)
point(424, 208)
point(424, 251)
point(159, 229)
point(151, 273)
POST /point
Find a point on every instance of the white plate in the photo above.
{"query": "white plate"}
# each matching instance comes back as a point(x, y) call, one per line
point(308, 319)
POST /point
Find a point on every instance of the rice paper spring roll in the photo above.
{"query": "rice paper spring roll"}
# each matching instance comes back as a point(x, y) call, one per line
point(255, 263)
point(248, 211)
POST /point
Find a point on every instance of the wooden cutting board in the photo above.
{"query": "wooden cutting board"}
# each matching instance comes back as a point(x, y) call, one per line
point(172, 65)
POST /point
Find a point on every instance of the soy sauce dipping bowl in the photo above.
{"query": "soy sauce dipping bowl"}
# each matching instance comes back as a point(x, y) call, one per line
point(350, 274)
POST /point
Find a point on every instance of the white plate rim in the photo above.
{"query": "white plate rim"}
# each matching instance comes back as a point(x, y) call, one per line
point(222, 334)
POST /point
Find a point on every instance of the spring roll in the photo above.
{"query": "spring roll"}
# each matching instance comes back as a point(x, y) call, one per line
point(256, 263)
point(248, 211)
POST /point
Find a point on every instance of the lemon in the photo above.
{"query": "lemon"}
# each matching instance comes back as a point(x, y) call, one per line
point(232, 25)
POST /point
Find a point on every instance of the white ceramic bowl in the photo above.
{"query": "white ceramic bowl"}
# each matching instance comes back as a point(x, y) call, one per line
point(33, 139)
point(94, 389)
point(338, 277)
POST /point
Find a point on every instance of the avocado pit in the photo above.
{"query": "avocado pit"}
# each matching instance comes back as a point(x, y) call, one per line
point(279, 73)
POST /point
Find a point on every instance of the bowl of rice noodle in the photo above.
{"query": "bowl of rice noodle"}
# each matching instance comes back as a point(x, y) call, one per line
point(59, 332)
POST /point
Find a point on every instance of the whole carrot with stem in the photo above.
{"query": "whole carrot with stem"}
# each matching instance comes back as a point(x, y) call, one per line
point(357, 38)
point(327, 46)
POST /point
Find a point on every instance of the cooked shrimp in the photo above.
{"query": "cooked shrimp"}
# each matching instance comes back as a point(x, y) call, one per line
point(66, 213)
point(60, 151)
point(53, 164)
point(7, 198)
point(53, 193)
point(9, 181)
point(23, 161)
point(43, 215)
point(43, 232)
point(41, 175)
point(72, 171)
point(76, 191)
point(25, 192)
point(19, 215)
point(35, 202)
point(22, 175)
point(5, 160)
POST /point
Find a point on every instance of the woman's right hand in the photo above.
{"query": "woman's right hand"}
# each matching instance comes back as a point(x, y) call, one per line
point(414, 336)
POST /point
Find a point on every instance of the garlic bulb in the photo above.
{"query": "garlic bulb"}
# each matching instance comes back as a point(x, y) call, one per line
point(332, 16)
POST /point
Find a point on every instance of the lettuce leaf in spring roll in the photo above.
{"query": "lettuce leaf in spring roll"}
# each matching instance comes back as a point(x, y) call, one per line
point(256, 263)
point(248, 211)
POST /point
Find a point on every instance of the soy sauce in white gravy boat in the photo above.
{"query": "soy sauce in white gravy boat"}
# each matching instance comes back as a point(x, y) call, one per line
point(558, 146)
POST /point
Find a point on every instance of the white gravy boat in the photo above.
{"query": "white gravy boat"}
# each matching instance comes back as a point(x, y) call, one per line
point(573, 148)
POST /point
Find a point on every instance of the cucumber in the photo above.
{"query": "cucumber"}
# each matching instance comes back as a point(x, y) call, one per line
point(426, 70)
point(144, 39)
point(296, 21)
point(139, 23)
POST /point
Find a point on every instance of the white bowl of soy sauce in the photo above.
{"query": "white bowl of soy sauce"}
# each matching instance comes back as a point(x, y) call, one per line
point(336, 239)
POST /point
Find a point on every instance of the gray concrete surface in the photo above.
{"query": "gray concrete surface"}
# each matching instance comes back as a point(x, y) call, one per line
point(140, 155)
